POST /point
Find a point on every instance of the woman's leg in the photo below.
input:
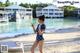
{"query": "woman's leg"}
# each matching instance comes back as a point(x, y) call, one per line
point(34, 46)
point(41, 46)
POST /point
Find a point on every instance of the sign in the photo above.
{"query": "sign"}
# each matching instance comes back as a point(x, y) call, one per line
point(68, 2)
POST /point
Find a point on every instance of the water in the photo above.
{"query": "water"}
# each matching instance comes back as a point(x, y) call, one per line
point(24, 26)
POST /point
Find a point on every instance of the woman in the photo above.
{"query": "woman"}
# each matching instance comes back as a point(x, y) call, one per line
point(39, 31)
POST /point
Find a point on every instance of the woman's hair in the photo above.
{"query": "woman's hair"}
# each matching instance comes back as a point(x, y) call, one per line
point(41, 17)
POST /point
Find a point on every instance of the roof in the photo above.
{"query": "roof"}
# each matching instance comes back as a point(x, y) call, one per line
point(15, 7)
point(51, 7)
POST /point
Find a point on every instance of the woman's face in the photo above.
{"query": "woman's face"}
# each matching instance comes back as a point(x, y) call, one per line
point(39, 21)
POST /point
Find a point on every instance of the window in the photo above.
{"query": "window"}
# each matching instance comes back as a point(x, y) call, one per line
point(28, 9)
point(8, 9)
point(56, 10)
point(40, 13)
point(61, 13)
point(50, 13)
point(28, 14)
point(2, 9)
point(38, 9)
point(13, 9)
point(45, 9)
point(51, 9)
point(56, 13)
point(45, 13)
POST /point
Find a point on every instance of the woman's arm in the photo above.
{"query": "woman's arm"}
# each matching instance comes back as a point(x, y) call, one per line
point(33, 28)
point(41, 32)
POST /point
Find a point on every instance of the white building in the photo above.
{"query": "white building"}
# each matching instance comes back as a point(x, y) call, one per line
point(50, 11)
point(77, 12)
point(12, 10)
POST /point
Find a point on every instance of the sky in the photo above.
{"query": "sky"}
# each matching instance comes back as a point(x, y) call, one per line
point(36, 1)
point(43, 1)
point(29, 1)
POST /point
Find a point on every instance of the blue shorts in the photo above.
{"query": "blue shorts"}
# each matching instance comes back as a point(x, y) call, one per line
point(39, 37)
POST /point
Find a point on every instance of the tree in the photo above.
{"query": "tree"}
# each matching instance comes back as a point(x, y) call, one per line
point(33, 5)
point(1, 3)
point(68, 11)
point(7, 3)
point(24, 5)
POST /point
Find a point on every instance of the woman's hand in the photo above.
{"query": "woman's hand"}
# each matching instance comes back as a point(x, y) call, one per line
point(33, 27)
point(41, 32)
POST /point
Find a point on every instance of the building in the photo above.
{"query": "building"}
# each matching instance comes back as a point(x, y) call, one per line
point(77, 13)
point(50, 11)
point(11, 12)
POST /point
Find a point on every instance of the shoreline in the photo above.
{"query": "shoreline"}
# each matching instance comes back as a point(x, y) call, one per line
point(47, 36)
point(61, 30)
